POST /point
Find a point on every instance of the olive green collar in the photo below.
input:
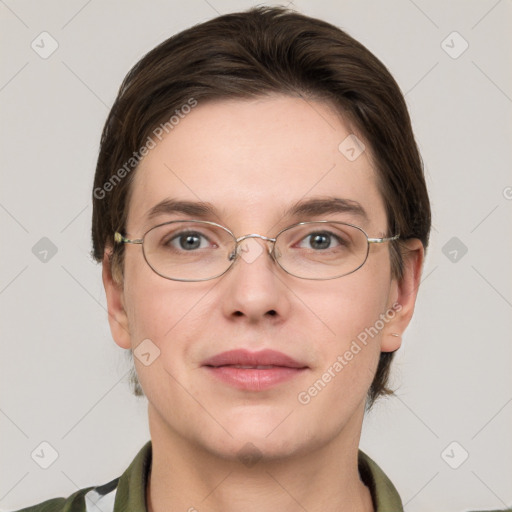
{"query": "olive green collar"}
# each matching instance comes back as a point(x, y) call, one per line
point(131, 491)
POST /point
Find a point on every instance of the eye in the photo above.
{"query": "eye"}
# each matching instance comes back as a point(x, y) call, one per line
point(321, 240)
point(187, 241)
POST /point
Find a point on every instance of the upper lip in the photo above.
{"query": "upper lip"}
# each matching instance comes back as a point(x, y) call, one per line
point(246, 358)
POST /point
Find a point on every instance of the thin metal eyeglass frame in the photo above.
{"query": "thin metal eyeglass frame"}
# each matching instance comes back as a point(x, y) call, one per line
point(118, 238)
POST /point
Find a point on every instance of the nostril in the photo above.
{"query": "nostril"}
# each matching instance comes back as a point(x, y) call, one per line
point(272, 312)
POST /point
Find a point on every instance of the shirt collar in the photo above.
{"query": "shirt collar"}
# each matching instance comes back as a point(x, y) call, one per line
point(131, 491)
point(384, 494)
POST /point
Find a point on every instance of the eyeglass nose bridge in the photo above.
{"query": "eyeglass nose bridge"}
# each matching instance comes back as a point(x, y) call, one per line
point(238, 249)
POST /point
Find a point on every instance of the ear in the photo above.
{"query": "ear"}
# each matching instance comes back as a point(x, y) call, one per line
point(117, 316)
point(403, 295)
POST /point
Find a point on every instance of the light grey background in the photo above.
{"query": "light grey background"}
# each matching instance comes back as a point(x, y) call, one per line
point(63, 380)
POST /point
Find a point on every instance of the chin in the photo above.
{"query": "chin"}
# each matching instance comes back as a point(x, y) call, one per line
point(250, 450)
point(266, 437)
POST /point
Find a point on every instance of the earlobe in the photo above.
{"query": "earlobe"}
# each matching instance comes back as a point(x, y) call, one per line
point(391, 342)
point(117, 316)
point(404, 293)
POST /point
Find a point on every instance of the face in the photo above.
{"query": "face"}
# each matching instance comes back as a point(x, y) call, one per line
point(251, 161)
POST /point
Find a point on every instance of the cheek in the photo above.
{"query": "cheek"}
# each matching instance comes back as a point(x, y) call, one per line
point(161, 309)
point(171, 314)
point(347, 363)
point(165, 313)
point(351, 310)
point(151, 310)
point(350, 305)
point(152, 303)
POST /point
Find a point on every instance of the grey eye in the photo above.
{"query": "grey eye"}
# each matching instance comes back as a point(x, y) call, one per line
point(320, 241)
point(188, 241)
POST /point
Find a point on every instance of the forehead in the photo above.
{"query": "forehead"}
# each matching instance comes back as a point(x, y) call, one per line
point(252, 161)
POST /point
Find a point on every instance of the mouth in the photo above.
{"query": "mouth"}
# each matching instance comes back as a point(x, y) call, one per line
point(249, 367)
point(253, 371)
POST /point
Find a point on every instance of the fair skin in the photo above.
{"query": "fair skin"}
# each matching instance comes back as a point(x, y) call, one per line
point(251, 160)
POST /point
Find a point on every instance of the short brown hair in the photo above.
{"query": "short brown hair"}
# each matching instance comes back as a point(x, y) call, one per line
point(255, 53)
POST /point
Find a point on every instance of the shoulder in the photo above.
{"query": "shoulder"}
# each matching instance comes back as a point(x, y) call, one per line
point(126, 491)
point(82, 500)
point(75, 502)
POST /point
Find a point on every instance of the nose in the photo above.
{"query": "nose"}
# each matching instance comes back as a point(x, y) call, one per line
point(254, 287)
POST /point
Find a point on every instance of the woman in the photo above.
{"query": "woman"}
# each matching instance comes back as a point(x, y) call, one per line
point(261, 216)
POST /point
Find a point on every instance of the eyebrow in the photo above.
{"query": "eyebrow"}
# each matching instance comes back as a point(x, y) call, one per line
point(304, 208)
point(322, 206)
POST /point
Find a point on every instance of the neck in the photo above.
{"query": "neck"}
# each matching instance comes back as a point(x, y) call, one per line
point(187, 477)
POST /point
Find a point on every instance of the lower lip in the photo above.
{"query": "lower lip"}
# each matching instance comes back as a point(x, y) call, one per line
point(254, 379)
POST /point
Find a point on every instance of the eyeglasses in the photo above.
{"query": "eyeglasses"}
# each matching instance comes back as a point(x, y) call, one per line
point(197, 250)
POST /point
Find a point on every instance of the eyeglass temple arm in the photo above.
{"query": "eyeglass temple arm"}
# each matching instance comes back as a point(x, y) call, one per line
point(382, 240)
point(120, 239)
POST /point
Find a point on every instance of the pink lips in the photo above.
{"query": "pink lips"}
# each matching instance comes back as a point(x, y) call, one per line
point(254, 371)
